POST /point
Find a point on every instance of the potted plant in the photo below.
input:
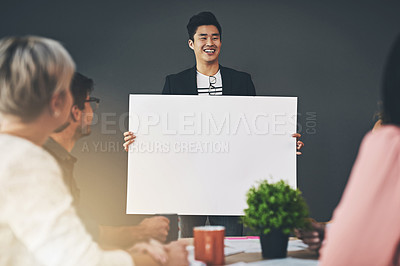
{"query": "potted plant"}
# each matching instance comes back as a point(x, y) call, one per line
point(274, 210)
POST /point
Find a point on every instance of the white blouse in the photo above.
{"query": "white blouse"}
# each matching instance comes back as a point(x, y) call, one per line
point(38, 225)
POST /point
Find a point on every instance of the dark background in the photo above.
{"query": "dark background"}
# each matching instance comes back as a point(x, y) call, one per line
point(329, 54)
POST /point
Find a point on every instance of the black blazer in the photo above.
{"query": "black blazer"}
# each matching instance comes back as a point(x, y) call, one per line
point(233, 83)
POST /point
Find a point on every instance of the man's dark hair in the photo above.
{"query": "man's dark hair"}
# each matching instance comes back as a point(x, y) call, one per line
point(203, 18)
point(391, 86)
point(81, 86)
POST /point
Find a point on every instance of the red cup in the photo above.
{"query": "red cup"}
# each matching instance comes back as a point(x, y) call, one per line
point(209, 244)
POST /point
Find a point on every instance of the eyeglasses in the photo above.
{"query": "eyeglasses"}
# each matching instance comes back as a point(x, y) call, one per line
point(212, 90)
point(94, 102)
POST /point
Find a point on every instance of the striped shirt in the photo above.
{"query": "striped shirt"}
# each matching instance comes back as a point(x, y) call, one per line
point(209, 85)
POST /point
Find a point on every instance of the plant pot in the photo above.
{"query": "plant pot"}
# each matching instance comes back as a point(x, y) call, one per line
point(274, 244)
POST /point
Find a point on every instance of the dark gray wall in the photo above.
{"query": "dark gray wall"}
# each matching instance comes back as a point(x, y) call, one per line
point(330, 55)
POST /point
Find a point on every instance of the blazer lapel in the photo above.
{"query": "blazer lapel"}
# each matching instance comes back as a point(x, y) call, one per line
point(193, 81)
point(226, 81)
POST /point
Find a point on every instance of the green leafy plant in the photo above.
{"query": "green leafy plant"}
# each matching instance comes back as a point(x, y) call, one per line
point(275, 206)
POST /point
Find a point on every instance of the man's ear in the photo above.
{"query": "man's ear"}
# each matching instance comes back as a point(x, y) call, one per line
point(76, 113)
point(191, 44)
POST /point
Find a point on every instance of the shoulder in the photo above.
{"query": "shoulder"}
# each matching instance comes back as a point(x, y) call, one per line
point(379, 151)
point(19, 147)
point(20, 156)
point(385, 136)
point(182, 74)
point(234, 73)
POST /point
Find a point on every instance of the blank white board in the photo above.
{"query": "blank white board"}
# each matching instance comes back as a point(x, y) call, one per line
point(199, 155)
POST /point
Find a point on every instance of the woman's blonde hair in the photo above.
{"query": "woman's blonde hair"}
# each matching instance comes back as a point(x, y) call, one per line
point(32, 69)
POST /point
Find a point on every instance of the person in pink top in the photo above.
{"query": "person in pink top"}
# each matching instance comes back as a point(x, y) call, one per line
point(365, 228)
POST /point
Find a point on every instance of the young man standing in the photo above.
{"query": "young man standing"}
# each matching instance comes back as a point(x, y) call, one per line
point(207, 78)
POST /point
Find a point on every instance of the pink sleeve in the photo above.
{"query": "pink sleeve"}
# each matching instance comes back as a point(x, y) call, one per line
point(366, 223)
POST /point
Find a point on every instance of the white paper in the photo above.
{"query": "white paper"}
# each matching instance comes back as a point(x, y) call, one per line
point(296, 245)
point(200, 155)
point(245, 245)
point(285, 262)
point(228, 251)
point(254, 246)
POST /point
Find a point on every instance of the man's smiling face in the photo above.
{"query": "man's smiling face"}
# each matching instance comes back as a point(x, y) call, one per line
point(206, 44)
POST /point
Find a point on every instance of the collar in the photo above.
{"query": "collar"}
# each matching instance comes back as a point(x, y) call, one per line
point(225, 77)
point(58, 151)
point(216, 74)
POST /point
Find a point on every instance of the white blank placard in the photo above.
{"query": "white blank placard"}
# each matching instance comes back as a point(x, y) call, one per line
point(198, 155)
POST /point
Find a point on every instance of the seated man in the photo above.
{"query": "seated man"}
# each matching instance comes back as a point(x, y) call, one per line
point(60, 145)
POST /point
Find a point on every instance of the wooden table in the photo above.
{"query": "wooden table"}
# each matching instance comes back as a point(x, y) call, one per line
point(253, 257)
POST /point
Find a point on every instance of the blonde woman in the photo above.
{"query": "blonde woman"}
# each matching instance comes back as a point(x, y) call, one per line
point(38, 225)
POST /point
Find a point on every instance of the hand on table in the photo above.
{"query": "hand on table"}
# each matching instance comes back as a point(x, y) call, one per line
point(173, 254)
point(129, 138)
point(154, 248)
point(299, 143)
point(177, 254)
point(314, 237)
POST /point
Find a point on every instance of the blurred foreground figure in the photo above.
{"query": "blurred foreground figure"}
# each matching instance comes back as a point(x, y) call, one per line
point(365, 226)
point(38, 224)
point(60, 145)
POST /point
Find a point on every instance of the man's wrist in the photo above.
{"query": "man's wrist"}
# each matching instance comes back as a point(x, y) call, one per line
point(140, 232)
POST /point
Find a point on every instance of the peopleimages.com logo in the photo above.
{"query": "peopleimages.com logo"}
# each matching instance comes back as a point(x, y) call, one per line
point(206, 123)
point(112, 123)
point(196, 132)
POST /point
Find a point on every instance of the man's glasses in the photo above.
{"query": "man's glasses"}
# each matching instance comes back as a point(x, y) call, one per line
point(212, 90)
point(94, 102)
